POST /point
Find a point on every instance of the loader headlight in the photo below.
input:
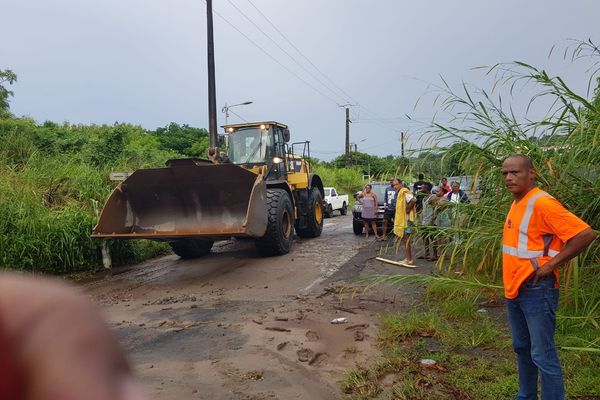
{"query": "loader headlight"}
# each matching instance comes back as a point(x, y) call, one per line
point(277, 160)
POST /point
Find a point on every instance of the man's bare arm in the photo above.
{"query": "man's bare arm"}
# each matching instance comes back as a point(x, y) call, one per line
point(571, 249)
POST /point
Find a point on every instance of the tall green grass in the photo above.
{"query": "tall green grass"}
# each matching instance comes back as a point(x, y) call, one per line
point(54, 182)
point(565, 147)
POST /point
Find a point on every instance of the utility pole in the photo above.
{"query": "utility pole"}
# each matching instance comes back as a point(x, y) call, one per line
point(402, 144)
point(212, 100)
point(347, 148)
point(347, 136)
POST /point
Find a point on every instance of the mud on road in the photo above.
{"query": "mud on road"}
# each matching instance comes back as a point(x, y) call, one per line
point(234, 325)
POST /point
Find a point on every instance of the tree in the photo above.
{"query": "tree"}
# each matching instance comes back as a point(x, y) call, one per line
point(183, 139)
point(6, 77)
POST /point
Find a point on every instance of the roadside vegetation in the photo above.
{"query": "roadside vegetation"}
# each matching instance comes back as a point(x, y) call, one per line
point(55, 179)
point(457, 326)
point(475, 359)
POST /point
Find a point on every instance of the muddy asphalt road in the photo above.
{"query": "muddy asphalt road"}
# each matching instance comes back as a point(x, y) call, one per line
point(234, 325)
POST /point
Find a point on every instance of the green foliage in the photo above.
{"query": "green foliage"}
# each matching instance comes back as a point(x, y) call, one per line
point(380, 168)
point(565, 148)
point(183, 139)
point(54, 182)
point(345, 180)
point(473, 351)
point(6, 77)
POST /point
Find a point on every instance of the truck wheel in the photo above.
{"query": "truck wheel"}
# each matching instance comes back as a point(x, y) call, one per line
point(344, 209)
point(277, 239)
point(191, 247)
point(329, 211)
point(357, 227)
point(314, 223)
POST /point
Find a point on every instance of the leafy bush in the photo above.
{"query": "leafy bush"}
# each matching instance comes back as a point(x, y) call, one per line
point(55, 179)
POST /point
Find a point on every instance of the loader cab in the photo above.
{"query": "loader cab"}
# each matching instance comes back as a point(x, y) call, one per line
point(258, 144)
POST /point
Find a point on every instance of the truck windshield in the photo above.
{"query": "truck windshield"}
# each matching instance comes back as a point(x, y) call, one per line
point(327, 191)
point(250, 146)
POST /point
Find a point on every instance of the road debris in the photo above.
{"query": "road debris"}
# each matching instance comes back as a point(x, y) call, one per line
point(281, 346)
point(318, 359)
point(312, 336)
point(427, 362)
point(401, 264)
point(305, 355)
point(340, 320)
point(359, 336)
point(362, 326)
point(277, 329)
point(254, 375)
point(345, 309)
point(257, 322)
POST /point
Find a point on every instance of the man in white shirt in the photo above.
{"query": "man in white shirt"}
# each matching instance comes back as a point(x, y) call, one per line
point(457, 195)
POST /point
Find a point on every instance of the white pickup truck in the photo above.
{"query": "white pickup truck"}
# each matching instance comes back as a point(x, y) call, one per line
point(335, 201)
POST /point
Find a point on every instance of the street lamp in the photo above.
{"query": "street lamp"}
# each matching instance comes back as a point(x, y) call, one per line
point(226, 108)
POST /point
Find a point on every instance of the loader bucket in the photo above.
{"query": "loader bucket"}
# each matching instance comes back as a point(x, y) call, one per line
point(211, 201)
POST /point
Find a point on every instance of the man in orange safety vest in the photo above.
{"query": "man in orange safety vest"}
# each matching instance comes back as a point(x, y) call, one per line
point(539, 236)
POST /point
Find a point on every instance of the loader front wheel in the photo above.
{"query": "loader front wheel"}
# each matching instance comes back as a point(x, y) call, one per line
point(314, 219)
point(277, 239)
point(191, 247)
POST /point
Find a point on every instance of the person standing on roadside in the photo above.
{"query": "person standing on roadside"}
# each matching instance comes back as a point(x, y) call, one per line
point(539, 236)
point(417, 186)
point(456, 195)
point(428, 221)
point(441, 218)
point(444, 184)
point(404, 219)
point(390, 206)
point(369, 203)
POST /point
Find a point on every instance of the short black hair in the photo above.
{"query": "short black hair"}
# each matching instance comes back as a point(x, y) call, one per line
point(527, 161)
point(421, 176)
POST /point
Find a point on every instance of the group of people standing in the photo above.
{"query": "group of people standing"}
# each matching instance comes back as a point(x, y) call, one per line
point(404, 208)
point(539, 236)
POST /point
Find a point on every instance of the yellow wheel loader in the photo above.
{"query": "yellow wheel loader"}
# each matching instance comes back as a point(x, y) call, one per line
point(261, 188)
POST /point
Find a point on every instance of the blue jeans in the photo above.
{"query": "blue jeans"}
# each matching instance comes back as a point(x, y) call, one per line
point(532, 319)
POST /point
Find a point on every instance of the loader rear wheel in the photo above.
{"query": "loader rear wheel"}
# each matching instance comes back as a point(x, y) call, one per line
point(314, 219)
point(191, 248)
point(277, 239)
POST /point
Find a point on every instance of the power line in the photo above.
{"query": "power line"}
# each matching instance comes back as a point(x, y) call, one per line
point(273, 58)
point(284, 50)
point(368, 111)
point(301, 53)
point(313, 64)
point(237, 115)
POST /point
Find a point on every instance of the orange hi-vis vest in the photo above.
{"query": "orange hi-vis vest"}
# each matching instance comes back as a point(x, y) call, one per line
point(535, 230)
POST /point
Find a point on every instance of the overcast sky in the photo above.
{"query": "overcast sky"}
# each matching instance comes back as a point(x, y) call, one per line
point(144, 61)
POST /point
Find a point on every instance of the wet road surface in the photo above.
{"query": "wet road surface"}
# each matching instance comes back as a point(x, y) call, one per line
point(234, 325)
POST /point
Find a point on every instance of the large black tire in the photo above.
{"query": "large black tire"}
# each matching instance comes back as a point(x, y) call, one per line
point(357, 227)
point(344, 209)
point(277, 239)
point(314, 218)
point(191, 247)
point(329, 211)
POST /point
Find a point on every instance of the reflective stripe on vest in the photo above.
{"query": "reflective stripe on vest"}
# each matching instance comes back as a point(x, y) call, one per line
point(521, 249)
